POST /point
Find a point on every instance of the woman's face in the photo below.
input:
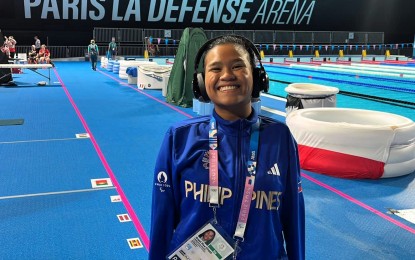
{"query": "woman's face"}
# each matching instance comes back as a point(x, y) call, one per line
point(228, 77)
point(208, 235)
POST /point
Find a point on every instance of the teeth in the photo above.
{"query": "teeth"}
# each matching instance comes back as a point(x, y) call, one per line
point(225, 88)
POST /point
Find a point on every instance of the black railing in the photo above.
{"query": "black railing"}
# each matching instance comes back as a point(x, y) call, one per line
point(80, 51)
point(171, 49)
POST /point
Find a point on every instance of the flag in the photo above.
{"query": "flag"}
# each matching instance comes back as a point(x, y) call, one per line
point(123, 218)
point(116, 198)
point(82, 135)
point(101, 183)
point(134, 243)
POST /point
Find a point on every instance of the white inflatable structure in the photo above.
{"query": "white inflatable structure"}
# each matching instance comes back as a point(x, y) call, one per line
point(354, 143)
point(153, 77)
point(307, 95)
point(125, 64)
point(104, 62)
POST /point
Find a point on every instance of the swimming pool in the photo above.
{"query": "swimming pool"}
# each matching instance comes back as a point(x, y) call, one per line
point(374, 92)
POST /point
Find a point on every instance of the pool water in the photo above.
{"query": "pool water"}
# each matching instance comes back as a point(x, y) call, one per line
point(396, 95)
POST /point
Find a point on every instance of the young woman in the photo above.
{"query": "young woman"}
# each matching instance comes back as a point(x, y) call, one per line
point(44, 55)
point(11, 44)
point(32, 55)
point(235, 170)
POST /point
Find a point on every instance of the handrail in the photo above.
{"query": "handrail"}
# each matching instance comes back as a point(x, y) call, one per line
point(170, 50)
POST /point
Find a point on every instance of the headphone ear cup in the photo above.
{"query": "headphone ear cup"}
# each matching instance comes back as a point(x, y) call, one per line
point(261, 82)
point(256, 83)
point(201, 89)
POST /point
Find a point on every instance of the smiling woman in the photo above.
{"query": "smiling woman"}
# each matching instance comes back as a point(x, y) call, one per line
point(228, 81)
point(243, 148)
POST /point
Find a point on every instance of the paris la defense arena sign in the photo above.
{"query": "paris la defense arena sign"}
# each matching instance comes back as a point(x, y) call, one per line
point(391, 17)
point(178, 13)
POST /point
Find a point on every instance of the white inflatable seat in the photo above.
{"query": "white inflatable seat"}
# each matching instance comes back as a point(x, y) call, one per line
point(354, 143)
point(124, 64)
point(153, 76)
point(104, 62)
point(308, 95)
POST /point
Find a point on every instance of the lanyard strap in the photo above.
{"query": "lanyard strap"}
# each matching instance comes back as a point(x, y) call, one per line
point(249, 180)
point(213, 165)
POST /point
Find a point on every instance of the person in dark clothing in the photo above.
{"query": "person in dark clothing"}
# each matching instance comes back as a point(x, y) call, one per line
point(93, 53)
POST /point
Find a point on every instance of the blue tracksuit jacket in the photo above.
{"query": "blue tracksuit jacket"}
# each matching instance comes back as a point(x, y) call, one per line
point(181, 179)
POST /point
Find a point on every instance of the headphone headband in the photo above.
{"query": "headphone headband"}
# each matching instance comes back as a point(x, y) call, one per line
point(260, 77)
point(203, 48)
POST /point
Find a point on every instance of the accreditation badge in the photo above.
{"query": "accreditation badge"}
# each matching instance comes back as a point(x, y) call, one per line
point(209, 243)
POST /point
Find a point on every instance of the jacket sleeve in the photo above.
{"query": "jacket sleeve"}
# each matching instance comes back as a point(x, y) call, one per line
point(293, 212)
point(163, 204)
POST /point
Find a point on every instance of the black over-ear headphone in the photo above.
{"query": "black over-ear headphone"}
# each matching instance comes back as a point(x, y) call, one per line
point(260, 76)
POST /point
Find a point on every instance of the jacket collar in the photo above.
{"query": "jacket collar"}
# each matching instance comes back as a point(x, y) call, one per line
point(236, 127)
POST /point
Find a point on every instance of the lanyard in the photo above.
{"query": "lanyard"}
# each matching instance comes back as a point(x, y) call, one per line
point(249, 180)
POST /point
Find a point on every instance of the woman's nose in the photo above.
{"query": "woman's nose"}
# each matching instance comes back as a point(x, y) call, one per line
point(227, 74)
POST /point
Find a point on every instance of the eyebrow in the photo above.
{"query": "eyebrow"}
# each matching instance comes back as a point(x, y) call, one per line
point(216, 63)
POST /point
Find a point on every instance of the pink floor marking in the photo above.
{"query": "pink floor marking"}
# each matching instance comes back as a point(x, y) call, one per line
point(359, 203)
point(120, 191)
